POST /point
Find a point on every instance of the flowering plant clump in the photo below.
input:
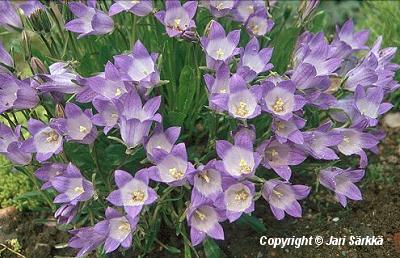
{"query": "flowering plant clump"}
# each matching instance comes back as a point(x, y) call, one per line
point(137, 114)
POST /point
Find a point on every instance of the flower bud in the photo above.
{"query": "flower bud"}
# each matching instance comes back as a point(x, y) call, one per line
point(38, 66)
point(26, 44)
point(40, 21)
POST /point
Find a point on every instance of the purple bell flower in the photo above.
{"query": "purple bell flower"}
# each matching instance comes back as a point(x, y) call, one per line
point(254, 61)
point(133, 192)
point(244, 9)
point(218, 46)
point(162, 140)
point(346, 34)
point(289, 130)
point(138, 7)
point(237, 198)
point(241, 102)
point(16, 94)
point(283, 197)
point(355, 141)
point(369, 103)
point(72, 187)
point(46, 141)
point(5, 57)
point(77, 126)
point(11, 145)
point(258, 24)
point(342, 183)
point(207, 183)
point(281, 100)
point(178, 18)
point(238, 160)
point(110, 86)
point(171, 168)
point(363, 74)
point(219, 83)
point(9, 17)
point(204, 219)
point(48, 171)
point(279, 157)
point(118, 230)
point(66, 213)
point(139, 66)
point(220, 8)
point(28, 7)
point(107, 115)
point(90, 21)
point(87, 239)
point(319, 142)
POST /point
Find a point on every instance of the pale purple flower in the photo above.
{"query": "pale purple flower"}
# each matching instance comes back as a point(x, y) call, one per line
point(5, 57)
point(279, 157)
point(241, 102)
point(254, 61)
point(117, 228)
point(342, 183)
point(107, 115)
point(204, 219)
point(244, 9)
point(305, 77)
point(90, 21)
point(319, 142)
point(346, 34)
point(237, 198)
point(281, 100)
point(133, 192)
point(363, 74)
point(239, 159)
point(46, 141)
point(207, 183)
point(314, 50)
point(110, 84)
point(139, 66)
point(136, 118)
point(86, 239)
point(28, 7)
point(171, 168)
point(178, 18)
point(137, 7)
point(72, 187)
point(218, 46)
point(16, 94)
point(355, 141)
point(66, 213)
point(162, 140)
point(369, 103)
point(289, 130)
point(258, 24)
point(77, 126)
point(220, 8)
point(9, 17)
point(283, 197)
point(11, 145)
point(48, 171)
point(219, 83)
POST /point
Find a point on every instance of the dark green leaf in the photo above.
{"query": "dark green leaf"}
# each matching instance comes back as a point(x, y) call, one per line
point(253, 222)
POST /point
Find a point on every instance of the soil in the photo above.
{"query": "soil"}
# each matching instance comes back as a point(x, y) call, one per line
point(377, 215)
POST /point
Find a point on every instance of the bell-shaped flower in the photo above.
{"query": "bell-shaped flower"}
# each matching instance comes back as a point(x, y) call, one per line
point(279, 157)
point(137, 7)
point(107, 115)
point(86, 239)
point(48, 171)
point(219, 47)
point(133, 192)
point(90, 21)
point(162, 140)
point(283, 197)
point(244, 9)
point(72, 186)
point(254, 61)
point(11, 145)
point(203, 219)
point(280, 100)
point(289, 130)
point(66, 213)
point(139, 66)
point(363, 74)
point(178, 18)
point(171, 168)
point(239, 159)
point(77, 126)
point(258, 24)
point(342, 183)
point(220, 8)
point(241, 102)
point(9, 17)
point(5, 58)
point(237, 198)
point(346, 34)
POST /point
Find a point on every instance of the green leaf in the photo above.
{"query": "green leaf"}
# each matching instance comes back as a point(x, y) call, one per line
point(175, 118)
point(172, 249)
point(211, 249)
point(187, 89)
point(283, 47)
point(188, 252)
point(253, 222)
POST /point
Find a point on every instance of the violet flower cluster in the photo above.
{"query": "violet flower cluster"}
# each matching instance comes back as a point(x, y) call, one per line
point(240, 86)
